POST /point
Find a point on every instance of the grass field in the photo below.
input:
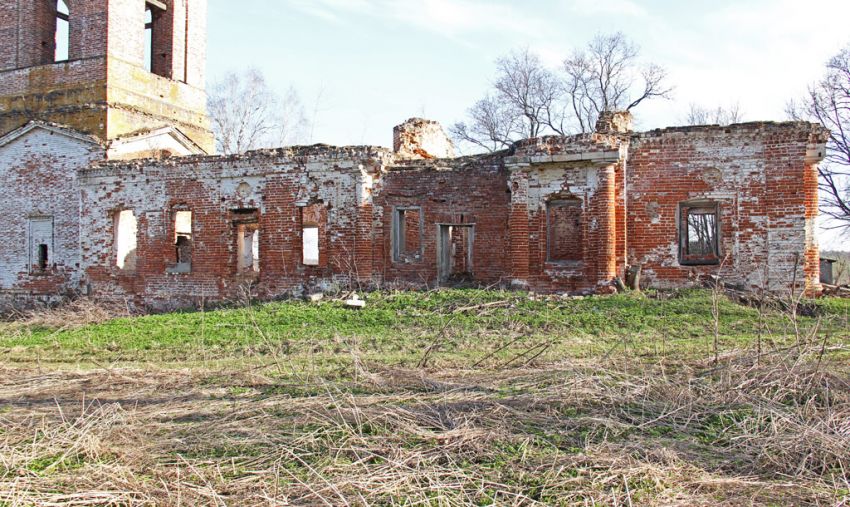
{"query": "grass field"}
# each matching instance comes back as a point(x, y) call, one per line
point(455, 397)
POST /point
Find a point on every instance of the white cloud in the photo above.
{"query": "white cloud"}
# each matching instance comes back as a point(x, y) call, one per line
point(447, 17)
point(316, 9)
point(600, 7)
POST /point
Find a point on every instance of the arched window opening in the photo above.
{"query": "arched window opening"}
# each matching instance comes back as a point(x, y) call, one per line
point(63, 32)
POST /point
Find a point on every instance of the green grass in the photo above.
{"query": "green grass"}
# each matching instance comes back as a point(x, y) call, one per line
point(463, 397)
point(396, 328)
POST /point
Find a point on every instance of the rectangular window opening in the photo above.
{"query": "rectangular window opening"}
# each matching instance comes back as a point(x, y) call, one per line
point(699, 234)
point(407, 234)
point(310, 247)
point(247, 223)
point(40, 243)
point(158, 38)
point(183, 241)
point(314, 219)
point(565, 233)
point(42, 257)
point(455, 246)
point(149, 21)
point(126, 230)
point(248, 248)
point(63, 32)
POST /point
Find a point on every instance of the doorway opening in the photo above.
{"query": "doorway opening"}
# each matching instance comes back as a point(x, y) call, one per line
point(455, 244)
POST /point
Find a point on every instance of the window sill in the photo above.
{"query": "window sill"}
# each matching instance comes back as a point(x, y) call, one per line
point(179, 269)
point(408, 260)
point(564, 264)
point(699, 262)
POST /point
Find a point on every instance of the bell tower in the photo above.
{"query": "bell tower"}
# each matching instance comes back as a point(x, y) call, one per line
point(108, 68)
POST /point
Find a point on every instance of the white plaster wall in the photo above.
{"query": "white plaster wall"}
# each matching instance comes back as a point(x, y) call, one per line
point(38, 175)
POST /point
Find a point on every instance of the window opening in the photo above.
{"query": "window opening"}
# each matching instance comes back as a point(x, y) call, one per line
point(455, 246)
point(565, 237)
point(407, 234)
point(311, 245)
point(148, 37)
point(42, 257)
point(158, 38)
point(183, 241)
point(63, 32)
point(40, 243)
point(125, 240)
point(249, 248)
point(699, 234)
point(313, 222)
point(247, 240)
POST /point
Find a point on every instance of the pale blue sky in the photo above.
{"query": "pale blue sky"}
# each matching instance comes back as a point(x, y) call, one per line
point(374, 63)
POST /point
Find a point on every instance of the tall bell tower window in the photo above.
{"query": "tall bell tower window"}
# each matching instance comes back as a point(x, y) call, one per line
point(148, 37)
point(63, 32)
point(157, 38)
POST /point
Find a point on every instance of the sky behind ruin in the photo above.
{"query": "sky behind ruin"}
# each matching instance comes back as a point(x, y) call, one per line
point(363, 66)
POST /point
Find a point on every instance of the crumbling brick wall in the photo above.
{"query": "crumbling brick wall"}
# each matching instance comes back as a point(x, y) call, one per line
point(580, 171)
point(419, 138)
point(553, 214)
point(282, 190)
point(40, 206)
point(472, 196)
point(762, 176)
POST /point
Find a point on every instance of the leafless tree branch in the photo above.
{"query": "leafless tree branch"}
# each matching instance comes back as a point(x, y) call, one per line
point(699, 115)
point(828, 102)
point(247, 114)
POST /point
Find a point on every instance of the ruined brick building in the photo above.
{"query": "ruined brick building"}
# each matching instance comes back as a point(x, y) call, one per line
point(111, 187)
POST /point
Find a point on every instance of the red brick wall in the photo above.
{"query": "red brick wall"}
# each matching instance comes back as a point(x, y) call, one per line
point(475, 194)
point(287, 195)
point(583, 168)
point(27, 29)
point(754, 172)
point(101, 89)
point(766, 192)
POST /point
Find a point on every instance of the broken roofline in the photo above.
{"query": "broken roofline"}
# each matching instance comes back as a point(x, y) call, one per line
point(296, 154)
point(589, 147)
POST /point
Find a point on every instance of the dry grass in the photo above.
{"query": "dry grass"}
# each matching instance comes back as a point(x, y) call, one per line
point(73, 314)
point(774, 430)
point(763, 422)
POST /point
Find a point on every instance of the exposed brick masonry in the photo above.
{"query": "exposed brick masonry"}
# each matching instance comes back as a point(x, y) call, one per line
point(549, 214)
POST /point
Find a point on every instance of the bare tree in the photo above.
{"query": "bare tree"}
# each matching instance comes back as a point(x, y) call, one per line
point(493, 125)
point(607, 76)
point(527, 87)
point(698, 115)
point(828, 102)
point(524, 95)
point(529, 99)
point(247, 114)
